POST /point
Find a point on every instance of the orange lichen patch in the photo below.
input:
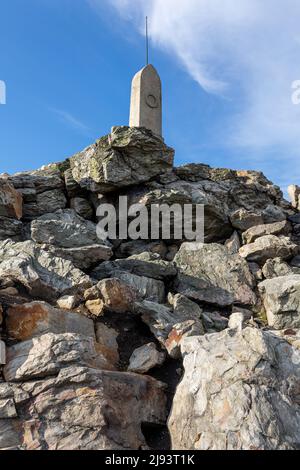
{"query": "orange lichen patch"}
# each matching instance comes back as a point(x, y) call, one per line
point(175, 336)
point(23, 320)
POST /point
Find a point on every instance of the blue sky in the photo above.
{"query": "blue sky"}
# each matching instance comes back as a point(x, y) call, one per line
point(227, 68)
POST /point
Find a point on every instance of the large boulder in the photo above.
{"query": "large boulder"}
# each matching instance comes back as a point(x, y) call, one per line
point(43, 275)
point(46, 355)
point(278, 228)
point(126, 157)
point(209, 273)
point(170, 324)
point(84, 409)
point(147, 287)
point(65, 229)
point(240, 391)
point(114, 295)
point(281, 297)
point(268, 247)
point(145, 264)
point(83, 257)
point(26, 321)
point(42, 191)
point(10, 200)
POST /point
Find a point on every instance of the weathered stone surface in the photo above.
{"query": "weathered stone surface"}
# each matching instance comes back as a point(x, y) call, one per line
point(107, 342)
point(68, 302)
point(36, 318)
point(81, 409)
point(276, 268)
point(233, 244)
point(44, 179)
point(64, 229)
point(135, 247)
point(294, 193)
point(281, 297)
point(217, 226)
point(10, 228)
point(145, 264)
point(126, 157)
point(10, 436)
point(256, 271)
point(10, 201)
point(214, 322)
point(171, 325)
point(46, 202)
point(239, 392)
point(46, 355)
point(148, 288)
point(268, 247)
point(82, 207)
point(7, 409)
point(83, 257)
point(43, 275)
point(238, 320)
point(242, 219)
point(278, 228)
point(95, 307)
point(145, 358)
point(208, 272)
point(115, 295)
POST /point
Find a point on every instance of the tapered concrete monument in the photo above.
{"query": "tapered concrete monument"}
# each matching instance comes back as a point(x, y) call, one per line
point(146, 100)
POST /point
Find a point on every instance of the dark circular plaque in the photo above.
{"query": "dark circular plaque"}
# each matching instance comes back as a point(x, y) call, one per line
point(152, 101)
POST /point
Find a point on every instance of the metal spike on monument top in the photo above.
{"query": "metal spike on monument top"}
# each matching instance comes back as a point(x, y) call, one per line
point(147, 42)
point(146, 96)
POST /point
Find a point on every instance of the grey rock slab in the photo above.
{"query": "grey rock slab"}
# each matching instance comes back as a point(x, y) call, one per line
point(43, 275)
point(238, 392)
point(209, 273)
point(46, 202)
point(281, 297)
point(33, 319)
point(277, 228)
point(64, 229)
point(126, 157)
point(86, 409)
point(44, 356)
point(268, 247)
point(145, 358)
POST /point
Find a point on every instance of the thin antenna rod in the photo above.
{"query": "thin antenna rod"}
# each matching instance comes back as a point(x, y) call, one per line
point(147, 42)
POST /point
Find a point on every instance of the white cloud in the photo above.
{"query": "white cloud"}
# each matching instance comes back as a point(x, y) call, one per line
point(245, 50)
point(70, 120)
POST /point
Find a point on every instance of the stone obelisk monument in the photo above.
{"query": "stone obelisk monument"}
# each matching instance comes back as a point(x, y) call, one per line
point(146, 99)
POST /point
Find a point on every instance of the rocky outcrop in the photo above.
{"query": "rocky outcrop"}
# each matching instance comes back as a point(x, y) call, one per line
point(90, 326)
point(209, 273)
point(81, 410)
point(126, 157)
point(268, 247)
point(239, 392)
point(281, 297)
point(41, 274)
